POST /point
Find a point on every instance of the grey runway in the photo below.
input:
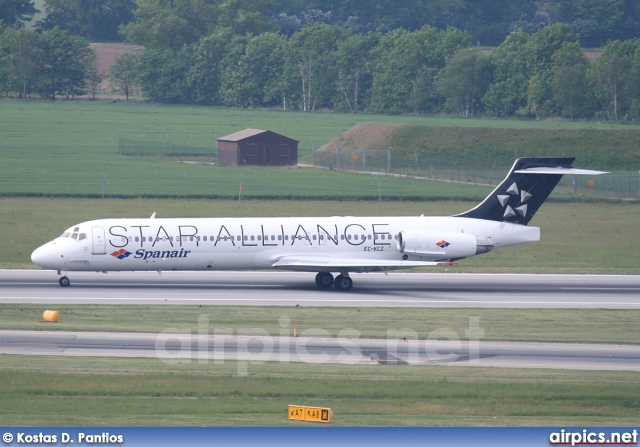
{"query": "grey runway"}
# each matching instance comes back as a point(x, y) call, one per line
point(291, 288)
point(252, 349)
point(287, 289)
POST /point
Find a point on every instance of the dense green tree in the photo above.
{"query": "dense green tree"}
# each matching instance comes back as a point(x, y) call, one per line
point(204, 74)
point(614, 78)
point(163, 75)
point(354, 78)
point(406, 66)
point(22, 57)
point(569, 84)
point(95, 77)
point(93, 19)
point(171, 24)
point(260, 75)
point(124, 74)
point(246, 16)
point(231, 91)
point(507, 94)
point(313, 51)
point(67, 61)
point(536, 95)
point(516, 61)
point(17, 12)
point(464, 81)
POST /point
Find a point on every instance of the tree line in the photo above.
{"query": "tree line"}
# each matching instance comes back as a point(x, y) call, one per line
point(539, 75)
point(235, 54)
point(185, 21)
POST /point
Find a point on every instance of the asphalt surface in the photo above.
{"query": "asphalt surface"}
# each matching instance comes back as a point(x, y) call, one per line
point(252, 349)
point(285, 288)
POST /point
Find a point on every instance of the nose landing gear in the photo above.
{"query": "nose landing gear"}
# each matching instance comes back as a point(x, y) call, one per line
point(64, 281)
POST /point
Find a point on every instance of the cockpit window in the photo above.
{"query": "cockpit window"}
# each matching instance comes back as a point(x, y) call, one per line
point(74, 236)
point(65, 234)
point(82, 236)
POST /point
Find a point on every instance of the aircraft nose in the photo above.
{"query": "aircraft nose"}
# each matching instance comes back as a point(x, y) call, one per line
point(42, 256)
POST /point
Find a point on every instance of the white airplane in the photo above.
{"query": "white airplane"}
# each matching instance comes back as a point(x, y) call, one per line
point(324, 245)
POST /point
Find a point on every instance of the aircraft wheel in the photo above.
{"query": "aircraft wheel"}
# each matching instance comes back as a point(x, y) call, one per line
point(64, 281)
point(324, 280)
point(343, 283)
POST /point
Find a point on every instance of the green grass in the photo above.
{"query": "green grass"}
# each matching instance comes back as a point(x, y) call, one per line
point(51, 391)
point(536, 325)
point(71, 148)
point(575, 237)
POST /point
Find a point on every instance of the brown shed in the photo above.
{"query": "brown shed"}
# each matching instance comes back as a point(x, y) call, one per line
point(257, 147)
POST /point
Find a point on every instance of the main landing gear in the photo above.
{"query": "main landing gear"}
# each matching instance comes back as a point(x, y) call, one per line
point(324, 280)
point(64, 281)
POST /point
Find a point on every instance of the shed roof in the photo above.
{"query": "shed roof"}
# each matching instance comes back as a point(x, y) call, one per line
point(247, 133)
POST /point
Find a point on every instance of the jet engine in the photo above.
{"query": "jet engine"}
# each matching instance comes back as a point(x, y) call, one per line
point(437, 245)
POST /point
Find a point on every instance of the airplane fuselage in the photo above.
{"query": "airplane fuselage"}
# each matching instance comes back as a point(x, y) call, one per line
point(324, 245)
point(259, 243)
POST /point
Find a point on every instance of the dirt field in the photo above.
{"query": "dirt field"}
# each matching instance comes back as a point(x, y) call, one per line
point(107, 54)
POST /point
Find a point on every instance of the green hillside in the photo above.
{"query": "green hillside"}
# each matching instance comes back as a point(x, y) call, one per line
point(486, 146)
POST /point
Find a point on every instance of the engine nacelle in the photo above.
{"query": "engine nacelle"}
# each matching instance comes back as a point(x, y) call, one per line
point(437, 245)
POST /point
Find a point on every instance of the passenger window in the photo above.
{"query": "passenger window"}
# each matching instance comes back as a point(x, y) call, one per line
point(259, 238)
point(253, 238)
point(279, 237)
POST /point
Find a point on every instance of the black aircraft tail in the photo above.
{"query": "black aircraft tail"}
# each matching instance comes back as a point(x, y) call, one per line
point(526, 187)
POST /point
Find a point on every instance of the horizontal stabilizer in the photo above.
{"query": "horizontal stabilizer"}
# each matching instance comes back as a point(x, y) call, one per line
point(559, 170)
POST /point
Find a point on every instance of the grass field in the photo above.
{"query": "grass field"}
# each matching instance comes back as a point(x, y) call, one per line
point(71, 148)
point(534, 325)
point(53, 391)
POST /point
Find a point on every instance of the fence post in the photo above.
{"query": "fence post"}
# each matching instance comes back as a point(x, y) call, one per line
point(389, 160)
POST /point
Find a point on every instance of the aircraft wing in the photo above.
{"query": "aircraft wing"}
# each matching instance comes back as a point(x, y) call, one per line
point(321, 263)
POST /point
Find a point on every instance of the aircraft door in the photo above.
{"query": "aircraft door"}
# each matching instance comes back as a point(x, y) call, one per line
point(99, 244)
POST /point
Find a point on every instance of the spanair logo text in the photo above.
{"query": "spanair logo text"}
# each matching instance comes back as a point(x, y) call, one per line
point(121, 254)
point(150, 254)
point(443, 244)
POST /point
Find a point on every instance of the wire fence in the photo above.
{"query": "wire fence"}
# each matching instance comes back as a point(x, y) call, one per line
point(420, 175)
point(468, 168)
